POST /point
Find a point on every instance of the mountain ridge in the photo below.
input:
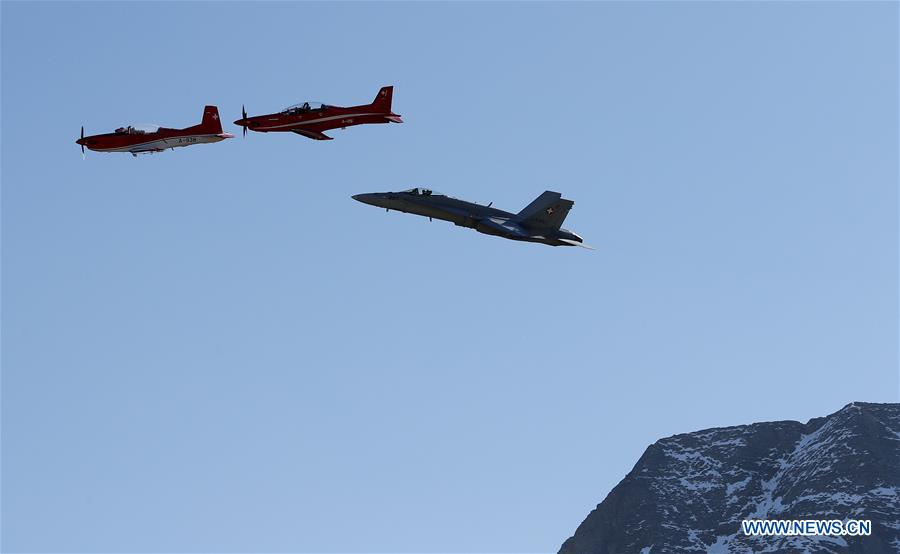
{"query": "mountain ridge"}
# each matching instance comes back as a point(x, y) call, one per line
point(689, 492)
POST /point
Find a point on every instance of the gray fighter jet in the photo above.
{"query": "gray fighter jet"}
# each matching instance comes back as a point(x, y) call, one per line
point(539, 222)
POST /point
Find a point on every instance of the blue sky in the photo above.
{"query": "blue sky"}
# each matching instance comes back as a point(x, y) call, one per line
point(216, 349)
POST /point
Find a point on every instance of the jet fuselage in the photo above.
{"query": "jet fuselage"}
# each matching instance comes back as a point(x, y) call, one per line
point(484, 219)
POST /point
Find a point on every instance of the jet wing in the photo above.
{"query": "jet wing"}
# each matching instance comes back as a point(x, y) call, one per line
point(576, 243)
point(512, 229)
point(315, 135)
point(503, 226)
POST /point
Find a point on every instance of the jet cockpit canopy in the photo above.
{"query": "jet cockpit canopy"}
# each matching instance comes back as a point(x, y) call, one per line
point(422, 192)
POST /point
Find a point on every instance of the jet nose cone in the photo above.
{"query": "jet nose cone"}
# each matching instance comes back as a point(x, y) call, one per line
point(371, 199)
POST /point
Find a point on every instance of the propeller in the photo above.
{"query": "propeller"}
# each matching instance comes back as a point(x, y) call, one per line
point(244, 117)
point(82, 142)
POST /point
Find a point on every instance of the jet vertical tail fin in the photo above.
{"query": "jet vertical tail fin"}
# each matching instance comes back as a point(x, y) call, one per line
point(211, 121)
point(383, 99)
point(547, 210)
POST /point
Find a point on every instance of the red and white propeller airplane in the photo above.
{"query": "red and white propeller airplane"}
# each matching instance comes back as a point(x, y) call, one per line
point(151, 138)
point(310, 119)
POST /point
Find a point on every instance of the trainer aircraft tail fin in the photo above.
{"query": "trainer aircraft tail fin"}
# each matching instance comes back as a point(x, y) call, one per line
point(211, 121)
point(383, 99)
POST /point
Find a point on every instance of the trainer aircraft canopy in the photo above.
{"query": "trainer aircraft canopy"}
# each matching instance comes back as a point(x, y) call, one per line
point(304, 107)
point(137, 129)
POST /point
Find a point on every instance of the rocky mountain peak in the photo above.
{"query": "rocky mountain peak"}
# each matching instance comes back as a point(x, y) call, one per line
point(690, 492)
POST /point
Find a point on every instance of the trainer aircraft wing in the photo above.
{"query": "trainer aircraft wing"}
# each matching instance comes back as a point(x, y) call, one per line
point(315, 135)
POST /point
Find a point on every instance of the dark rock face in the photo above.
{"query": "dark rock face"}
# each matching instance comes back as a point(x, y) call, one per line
point(689, 493)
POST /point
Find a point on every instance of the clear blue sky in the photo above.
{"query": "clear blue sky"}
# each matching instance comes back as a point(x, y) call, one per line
point(216, 349)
